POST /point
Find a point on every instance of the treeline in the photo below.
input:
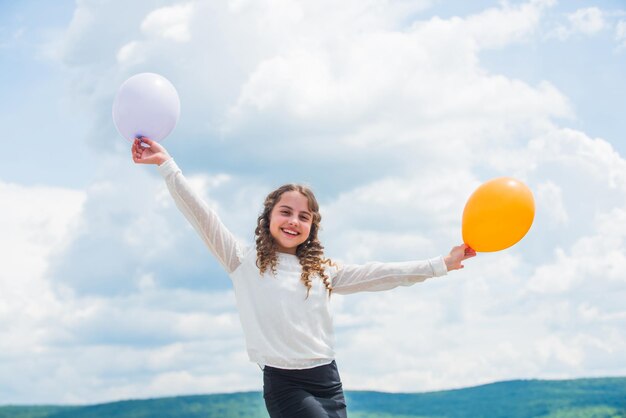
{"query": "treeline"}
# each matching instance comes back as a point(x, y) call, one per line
point(579, 398)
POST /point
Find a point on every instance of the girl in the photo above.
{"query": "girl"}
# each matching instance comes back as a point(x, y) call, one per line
point(283, 287)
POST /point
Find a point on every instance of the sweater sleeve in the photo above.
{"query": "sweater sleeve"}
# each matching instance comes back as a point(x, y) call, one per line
point(373, 277)
point(220, 241)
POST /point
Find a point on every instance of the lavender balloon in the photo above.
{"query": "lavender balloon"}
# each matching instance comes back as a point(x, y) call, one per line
point(146, 104)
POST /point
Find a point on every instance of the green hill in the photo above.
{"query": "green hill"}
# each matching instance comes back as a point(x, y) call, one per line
point(579, 398)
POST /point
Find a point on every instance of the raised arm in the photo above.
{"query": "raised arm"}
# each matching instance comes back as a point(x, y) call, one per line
point(220, 241)
point(372, 277)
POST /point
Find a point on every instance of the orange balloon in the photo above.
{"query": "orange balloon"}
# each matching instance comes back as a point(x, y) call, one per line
point(498, 214)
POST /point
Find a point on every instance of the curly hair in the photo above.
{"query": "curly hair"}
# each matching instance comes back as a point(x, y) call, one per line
point(310, 252)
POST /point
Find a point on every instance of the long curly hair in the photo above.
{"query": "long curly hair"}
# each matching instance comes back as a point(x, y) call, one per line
point(310, 252)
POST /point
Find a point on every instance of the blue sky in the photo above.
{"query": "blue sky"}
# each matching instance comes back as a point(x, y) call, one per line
point(394, 111)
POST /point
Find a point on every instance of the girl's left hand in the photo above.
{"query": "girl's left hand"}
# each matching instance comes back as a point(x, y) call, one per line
point(457, 255)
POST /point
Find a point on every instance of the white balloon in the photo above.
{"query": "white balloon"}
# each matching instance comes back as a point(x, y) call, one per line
point(146, 104)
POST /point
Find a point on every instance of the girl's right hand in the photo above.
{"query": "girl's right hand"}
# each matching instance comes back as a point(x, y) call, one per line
point(154, 153)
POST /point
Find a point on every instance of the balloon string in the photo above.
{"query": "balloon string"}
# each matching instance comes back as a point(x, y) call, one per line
point(141, 143)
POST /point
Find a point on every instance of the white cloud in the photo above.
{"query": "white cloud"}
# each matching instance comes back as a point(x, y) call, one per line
point(554, 348)
point(36, 225)
point(129, 53)
point(550, 199)
point(392, 117)
point(132, 230)
point(498, 27)
point(540, 308)
point(588, 21)
point(620, 32)
point(398, 218)
point(489, 323)
point(597, 257)
point(375, 92)
point(149, 332)
point(13, 39)
point(170, 23)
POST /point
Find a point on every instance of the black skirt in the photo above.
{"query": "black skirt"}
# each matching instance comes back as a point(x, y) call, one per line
point(307, 393)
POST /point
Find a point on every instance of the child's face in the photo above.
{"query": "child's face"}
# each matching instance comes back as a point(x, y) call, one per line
point(290, 221)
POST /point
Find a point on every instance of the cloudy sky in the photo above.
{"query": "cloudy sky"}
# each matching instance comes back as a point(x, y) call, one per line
point(394, 111)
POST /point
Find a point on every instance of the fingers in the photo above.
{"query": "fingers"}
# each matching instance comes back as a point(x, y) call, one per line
point(137, 151)
point(133, 150)
point(469, 252)
point(459, 254)
point(145, 140)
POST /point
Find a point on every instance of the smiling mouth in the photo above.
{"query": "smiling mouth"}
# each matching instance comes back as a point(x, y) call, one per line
point(290, 232)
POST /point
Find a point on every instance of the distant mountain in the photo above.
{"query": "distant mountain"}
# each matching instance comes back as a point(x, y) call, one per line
point(579, 398)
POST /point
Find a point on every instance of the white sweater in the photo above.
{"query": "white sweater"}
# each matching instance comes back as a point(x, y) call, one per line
point(282, 327)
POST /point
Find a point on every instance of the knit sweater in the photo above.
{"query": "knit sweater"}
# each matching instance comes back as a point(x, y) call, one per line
point(282, 326)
